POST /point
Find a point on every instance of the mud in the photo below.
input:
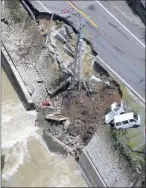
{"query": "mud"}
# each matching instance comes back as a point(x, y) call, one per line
point(85, 114)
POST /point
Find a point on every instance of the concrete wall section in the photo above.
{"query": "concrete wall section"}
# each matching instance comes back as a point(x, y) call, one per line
point(55, 145)
point(16, 80)
point(91, 174)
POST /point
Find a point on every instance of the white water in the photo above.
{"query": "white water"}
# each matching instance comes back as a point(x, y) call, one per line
point(28, 161)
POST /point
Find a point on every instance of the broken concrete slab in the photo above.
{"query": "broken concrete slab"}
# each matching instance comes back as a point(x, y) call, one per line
point(61, 37)
point(60, 89)
point(68, 50)
point(66, 124)
point(94, 79)
point(56, 117)
point(69, 31)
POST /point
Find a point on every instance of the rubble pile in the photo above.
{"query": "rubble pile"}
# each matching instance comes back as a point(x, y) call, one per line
point(79, 115)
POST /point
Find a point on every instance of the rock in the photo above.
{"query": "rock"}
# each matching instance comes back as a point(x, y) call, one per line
point(69, 30)
point(78, 121)
point(61, 37)
point(69, 140)
point(116, 179)
point(20, 42)
point(79, 148)
point(39, 80)
point(73, 132)
point(66, 142)
point(66, 124)
point(52, 48)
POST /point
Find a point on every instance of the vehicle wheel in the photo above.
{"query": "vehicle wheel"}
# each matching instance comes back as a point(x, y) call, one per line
point(135, 126)
point(111, 124)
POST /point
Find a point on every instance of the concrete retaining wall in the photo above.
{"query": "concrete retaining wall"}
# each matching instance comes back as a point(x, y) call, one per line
point(89, 171)
point(91, 174)
point(15, 79)
point(55, 145)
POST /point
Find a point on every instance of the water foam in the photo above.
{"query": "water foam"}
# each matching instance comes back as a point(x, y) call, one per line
point(17, 127)
point(10, 170)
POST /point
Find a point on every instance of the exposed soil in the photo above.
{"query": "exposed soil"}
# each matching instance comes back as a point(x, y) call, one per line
point(86, 115)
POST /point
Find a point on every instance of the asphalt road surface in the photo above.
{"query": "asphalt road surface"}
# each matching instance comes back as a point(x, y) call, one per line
point(117, 36)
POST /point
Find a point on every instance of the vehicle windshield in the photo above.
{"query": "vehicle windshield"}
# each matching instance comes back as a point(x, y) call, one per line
point(118, 105)
point(135, 116)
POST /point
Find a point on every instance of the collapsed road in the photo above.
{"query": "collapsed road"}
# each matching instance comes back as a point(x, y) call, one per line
point(44, 67)
point(122, 41)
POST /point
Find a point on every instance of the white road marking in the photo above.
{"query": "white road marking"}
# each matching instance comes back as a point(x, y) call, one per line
point(143, 100)
point(120, 24)
point(44, 7)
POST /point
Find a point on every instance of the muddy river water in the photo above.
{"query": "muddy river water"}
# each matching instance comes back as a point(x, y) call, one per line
point(28, 162)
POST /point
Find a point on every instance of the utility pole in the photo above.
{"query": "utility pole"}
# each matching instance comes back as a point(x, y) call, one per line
point(78, 55)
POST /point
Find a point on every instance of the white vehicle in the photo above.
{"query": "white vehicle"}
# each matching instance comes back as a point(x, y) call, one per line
point(127, 120)
point(115, 109)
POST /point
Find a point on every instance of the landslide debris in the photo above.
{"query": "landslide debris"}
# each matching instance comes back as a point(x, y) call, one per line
point(83, 110)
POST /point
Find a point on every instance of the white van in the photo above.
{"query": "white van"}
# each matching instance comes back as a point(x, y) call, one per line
point(116, 108)
point(127, 120)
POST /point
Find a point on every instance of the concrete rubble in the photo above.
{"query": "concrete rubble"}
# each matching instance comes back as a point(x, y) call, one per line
point(56, 117)
point(44, 61)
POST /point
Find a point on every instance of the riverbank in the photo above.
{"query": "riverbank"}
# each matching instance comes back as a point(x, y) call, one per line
point(37, 65)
